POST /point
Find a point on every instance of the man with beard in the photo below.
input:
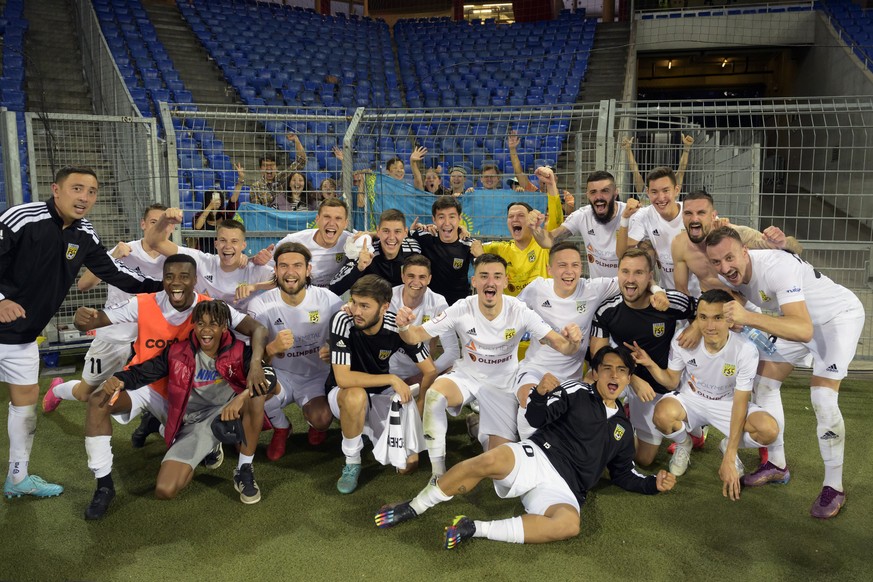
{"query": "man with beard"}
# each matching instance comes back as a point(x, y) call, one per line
point(630, 317)
point(162, 319)
point(390, 249)
point(597, 223)
point(490, 327)
point(689, 252)
point(296, 315)
point(360, 385)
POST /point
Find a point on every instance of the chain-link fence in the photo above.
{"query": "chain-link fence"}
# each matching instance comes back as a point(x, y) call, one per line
point(124, 154)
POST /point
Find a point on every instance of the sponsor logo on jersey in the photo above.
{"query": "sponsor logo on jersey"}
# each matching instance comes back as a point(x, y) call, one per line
point(384, 354)
point(658, 329)
point(794, 290)
point(71, 251)
point(618, 432)
point(208, 278)
point(278, 321)
point(473, 357)
point(471, 345)
point(763, 296)
point(729, 370)
point(339, 257)
point(509, 333)
point(692, 362)
point(439, 317)
point(531, 257)
point(159, 343)
point(457, 263)
point(471, 331)
point(314, 316)
point(581, 306)
point(546, 304)
point(590, 258)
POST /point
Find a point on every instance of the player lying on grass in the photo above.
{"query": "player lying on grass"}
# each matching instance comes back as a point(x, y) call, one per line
point(206, 380)
point(581, 432)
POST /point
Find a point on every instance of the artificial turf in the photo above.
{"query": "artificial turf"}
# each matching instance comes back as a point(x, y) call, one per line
point(304, 529)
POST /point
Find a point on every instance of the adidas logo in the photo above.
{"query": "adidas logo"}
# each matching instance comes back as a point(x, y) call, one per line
point(547, 304)
point(590, 231)
point(341, 344)
point(832, 368)
point(692, 362)
point(208, 278)
point(279, 321)
point(829, 435)
point(656, 233)
point(471, 331)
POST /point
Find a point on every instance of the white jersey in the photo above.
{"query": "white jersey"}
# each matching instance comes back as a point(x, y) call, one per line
point(716, 376)
point(490, 347)
point(647, 224)
point(147, 266)
point(129, 312)
point(579, 308)
point(219, 284)
point(431, 305)
point(780, 277)
point(309, 322)
point(599, 239)
point(325, 262)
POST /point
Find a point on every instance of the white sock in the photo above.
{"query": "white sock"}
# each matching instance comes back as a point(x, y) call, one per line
point(352, 448)
point(243, 459)
point(435, 425)
point(768, 397)
point(21, 424)
point(502, 530)
point(65, 391)
point(681, 438)
point(831, 431)
point(273, 410)
point(438, 466)
point(428, 497)
point(99, 450)
point(697, 431)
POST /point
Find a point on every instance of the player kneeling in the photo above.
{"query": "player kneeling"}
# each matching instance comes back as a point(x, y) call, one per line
point(580, 432)
point(207, 381)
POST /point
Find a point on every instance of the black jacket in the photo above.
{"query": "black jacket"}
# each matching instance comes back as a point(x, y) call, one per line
point(388, 269)
point(580, 441)
point(40, 259)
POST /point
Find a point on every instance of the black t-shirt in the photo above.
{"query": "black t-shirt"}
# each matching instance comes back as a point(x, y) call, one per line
point(367, 353)
point(449, 264)
point(651, 329)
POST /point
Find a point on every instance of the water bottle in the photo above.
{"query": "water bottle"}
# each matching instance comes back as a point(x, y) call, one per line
point(759, 338)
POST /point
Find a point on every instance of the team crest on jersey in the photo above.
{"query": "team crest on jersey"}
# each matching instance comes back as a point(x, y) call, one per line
point(457, 263)
point(509, 333)
point(314, 316)
point(763, 296)
point(531, 257)
point(658, 329)
point(425, 319)
point(618, 432)
point(439, 317)
point(384, 354)
point(581, 306)
point(339, 257)
point(729, 370)
point(71, 251)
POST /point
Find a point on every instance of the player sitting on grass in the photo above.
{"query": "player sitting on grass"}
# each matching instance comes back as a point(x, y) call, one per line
point(207, 380)
point(581, 432)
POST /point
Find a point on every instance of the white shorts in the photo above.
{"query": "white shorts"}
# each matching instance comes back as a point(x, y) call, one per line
point(299, 389)
point(528, 375)
point(104, 359)
point(19, 364)
point(641, 417)
point(702, 411)
point(498, 408)
point(535, 480)
point(832, 346)
point(144, 399)
point(376, 416)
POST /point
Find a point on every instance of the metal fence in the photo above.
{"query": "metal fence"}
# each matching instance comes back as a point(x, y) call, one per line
point(123, 152)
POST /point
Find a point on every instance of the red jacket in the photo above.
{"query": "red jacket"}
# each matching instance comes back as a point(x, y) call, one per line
point(178, 363)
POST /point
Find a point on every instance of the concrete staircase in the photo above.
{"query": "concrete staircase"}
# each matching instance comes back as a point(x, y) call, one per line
point(244, 141)
point(54, 79)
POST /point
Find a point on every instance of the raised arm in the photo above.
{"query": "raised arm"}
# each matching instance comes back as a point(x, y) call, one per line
point(411, 334)
point(158, 235)
point(622, 240)
point(89, 280)
point(415, 159)
point(512, 142)
point(687, 142)
point(794, 324)
point(639, 183)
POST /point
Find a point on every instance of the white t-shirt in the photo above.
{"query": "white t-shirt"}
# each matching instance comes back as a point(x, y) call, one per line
point(147, 266)
point(431, 305)
point(309, 322)
point(780, 277)
point(579, 308)
point(489, 351)
point(219, 284)
point(647, 224)
point(129, 312)
point(716, 376)
point(599, 239)
point(325, 262)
